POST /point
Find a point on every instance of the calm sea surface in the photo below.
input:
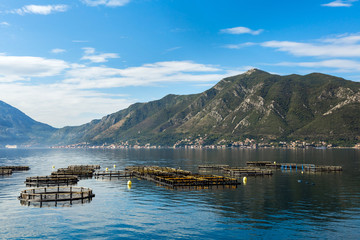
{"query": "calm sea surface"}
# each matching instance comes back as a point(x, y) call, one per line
point(324, 206)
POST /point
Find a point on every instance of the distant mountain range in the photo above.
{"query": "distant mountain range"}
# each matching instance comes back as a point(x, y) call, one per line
point(254, 104)
point(19, 129)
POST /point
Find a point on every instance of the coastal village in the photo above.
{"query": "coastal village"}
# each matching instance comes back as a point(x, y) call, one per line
point(199, 143)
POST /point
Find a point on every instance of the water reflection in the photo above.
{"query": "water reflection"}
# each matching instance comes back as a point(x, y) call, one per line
point(277, 206)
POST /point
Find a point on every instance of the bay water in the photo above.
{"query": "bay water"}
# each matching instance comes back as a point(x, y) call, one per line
point(286, 205)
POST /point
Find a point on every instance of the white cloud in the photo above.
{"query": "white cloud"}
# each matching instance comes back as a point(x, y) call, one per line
point(344, 46)
point(172, 49)
point(240, 45)
point(341, 65)
point(84, 77)
point(99, 58)
point(58, 50)
point(4, 24)
point(59, 105)
point(339, 3)
point(343, 39)
point(108, 3)
point(15, 68)
point(40, 9)
point(78, 95)
point(89, 50)
point(241, 30)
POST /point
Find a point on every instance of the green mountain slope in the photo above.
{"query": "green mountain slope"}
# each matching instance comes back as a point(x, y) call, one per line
point(18, 128)
point(256, 103)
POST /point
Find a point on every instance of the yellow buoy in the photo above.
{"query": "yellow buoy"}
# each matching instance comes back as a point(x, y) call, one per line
point(129, 184)
point(274, 162)
point(302, 172)
point(114, 166)
point(106, 169)
point(244, 180)
point(53, 166)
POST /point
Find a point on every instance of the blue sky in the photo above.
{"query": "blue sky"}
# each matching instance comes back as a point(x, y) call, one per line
point(68, 62)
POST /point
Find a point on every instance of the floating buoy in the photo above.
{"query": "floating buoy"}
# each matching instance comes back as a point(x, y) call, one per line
point(302, 172)
point(114, 166)
point(129, 184)
point(299, 181)
point(53, 167)
point(274, 162)
point(244, 180)
point(106, 169)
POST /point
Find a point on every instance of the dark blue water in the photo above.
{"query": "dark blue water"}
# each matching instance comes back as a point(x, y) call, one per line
point(321, 206)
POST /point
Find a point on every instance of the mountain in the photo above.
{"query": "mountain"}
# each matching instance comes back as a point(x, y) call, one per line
point(17, 128)
point(253, 104)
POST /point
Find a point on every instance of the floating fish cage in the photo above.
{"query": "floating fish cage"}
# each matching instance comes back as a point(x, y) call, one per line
point(53, 180)
point(83, 171)
point(83, 167)
point(6, 171)
point(17, 168)
point(242, 172)
point(67, 203)
point(195, 180)
point(157, 171)
point(113, 174)
point(67, 172)
point(55, 194)
point(213, 167)
point(237, 171)
point(304, 167)
point(176, 178)
point(258, 163)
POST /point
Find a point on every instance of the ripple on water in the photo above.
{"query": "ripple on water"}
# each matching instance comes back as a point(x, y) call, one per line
point(274, 207)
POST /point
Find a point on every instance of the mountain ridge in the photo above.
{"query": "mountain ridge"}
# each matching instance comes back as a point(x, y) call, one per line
point(18, 128)
point(255, 103)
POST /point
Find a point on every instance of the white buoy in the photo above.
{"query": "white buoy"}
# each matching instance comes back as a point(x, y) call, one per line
point(244, 180)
